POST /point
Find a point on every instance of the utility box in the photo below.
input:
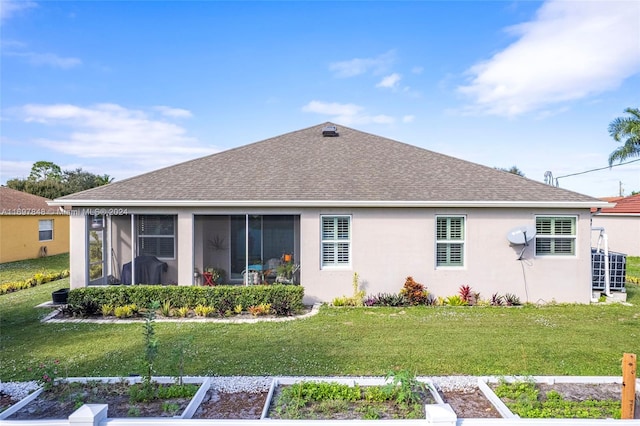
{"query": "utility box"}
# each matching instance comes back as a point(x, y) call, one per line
point(617, 270)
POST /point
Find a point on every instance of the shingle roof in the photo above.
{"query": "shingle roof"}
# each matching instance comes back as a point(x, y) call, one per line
point(18, 203)
point(626, 205)
point(304, 166)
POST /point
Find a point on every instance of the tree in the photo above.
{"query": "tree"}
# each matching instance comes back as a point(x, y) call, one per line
point(49, 181)
point(513, 170)
point(627, 131)
point(44, 170)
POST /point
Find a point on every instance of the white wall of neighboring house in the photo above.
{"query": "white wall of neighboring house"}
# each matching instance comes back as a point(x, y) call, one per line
point(623, 231)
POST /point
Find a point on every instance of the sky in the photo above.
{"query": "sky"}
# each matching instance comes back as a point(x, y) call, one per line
point(122, 88)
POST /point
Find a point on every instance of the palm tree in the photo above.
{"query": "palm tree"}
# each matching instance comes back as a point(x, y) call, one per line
point(627, 131)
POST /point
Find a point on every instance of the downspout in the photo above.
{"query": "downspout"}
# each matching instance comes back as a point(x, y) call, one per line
point(108, 249)
point(133, 248)
point(246, 249)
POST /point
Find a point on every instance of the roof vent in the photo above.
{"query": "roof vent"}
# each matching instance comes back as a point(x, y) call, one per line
point(330, 131)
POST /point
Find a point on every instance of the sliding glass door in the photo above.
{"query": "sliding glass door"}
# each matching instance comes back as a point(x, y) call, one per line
point(269, 236)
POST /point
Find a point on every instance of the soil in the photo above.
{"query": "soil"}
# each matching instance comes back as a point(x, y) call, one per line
point(470, 404)
point(6, 401)
point(65, 398)
point(237, 405)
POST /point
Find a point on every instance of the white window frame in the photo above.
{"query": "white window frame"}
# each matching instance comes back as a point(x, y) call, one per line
point(141, 236)
point(462, 241)
point(554, 237)
point(40, 229)
point(335, 241)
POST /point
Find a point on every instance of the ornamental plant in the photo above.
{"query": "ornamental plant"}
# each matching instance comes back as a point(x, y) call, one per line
point(47, 374)
point(415, 292)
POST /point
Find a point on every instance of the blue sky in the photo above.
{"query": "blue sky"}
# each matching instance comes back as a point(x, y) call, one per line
point(122, 88)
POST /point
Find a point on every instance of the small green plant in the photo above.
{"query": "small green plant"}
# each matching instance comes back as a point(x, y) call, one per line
point(404, 387)
point(238, 309)
point(147, 388)
point(357, 297)
point(165, 308)
point(183, 311)
point(171, 408)
point(203, 311)
point(455, 300)
point(133, 412)
point(126, 311)
point(107, 310)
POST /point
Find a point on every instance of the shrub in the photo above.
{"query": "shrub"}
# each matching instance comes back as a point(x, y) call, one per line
point(37, 279)
point(455, 300)
point(203, 311)
point(415, 292)
point(511, 300)
point(496, 300)
point(284, 299)
point(386, 299)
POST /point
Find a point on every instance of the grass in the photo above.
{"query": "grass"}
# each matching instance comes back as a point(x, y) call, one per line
point(633, 266)
point(547, 340)
point(25, 269)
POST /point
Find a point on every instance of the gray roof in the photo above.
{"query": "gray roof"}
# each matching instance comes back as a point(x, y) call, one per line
point(303, 166)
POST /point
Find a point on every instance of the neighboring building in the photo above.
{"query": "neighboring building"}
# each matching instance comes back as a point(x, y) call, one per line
point(621, 224)
point(29, 227)
point(341, 201)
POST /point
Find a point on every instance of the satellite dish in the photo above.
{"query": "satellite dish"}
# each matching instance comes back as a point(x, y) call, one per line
point(521, 234)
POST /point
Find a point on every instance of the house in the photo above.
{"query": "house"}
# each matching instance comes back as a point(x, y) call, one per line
point(621, 224)
point(29, 227)
point(340, 201)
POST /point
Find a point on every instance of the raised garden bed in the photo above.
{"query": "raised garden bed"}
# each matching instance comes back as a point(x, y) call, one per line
point(527, 398)
point(400, 397)
point(232, 405)
point(62, 399)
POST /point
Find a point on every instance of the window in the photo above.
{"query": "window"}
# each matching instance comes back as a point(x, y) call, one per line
point(45, 230)
point(449, 241)
point(336, 241)
point(555, 236)
point(156, 236)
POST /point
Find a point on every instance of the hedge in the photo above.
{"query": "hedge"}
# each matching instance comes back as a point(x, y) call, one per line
point(284, 299)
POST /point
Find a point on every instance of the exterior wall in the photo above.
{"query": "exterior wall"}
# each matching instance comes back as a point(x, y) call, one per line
point(623, 232)
point(20, 237)
point(390, 244)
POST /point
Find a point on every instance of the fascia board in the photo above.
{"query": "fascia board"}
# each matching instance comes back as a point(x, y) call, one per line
point(329, 203)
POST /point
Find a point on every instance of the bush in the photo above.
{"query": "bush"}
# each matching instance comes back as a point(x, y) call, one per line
point(284, 299)
point(415, 292)
point(37, 279)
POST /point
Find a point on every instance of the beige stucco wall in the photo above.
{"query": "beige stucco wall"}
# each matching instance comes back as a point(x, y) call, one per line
point(391, 244)
point(20, 237)
point(623, 232)
point(387, 246)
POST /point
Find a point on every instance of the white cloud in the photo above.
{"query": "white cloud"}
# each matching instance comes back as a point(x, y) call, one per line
point(417, 70)
point(347, 114)
point(14, 169)
point(390, 82)
point(359, 66)
point(571, 50)
point(408, 118)
point(112, 131)
point(47, 59)
point(173, 112)
point(9, 8)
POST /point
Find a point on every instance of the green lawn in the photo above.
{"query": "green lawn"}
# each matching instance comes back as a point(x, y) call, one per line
point(557, 339)
point(25, 269)
point(633, 266)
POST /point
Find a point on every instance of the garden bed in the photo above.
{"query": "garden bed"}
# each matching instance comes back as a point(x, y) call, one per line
point(231, 405)
point(470, 404)
point(62, 399)
point(529, 399)
point(400, 396)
